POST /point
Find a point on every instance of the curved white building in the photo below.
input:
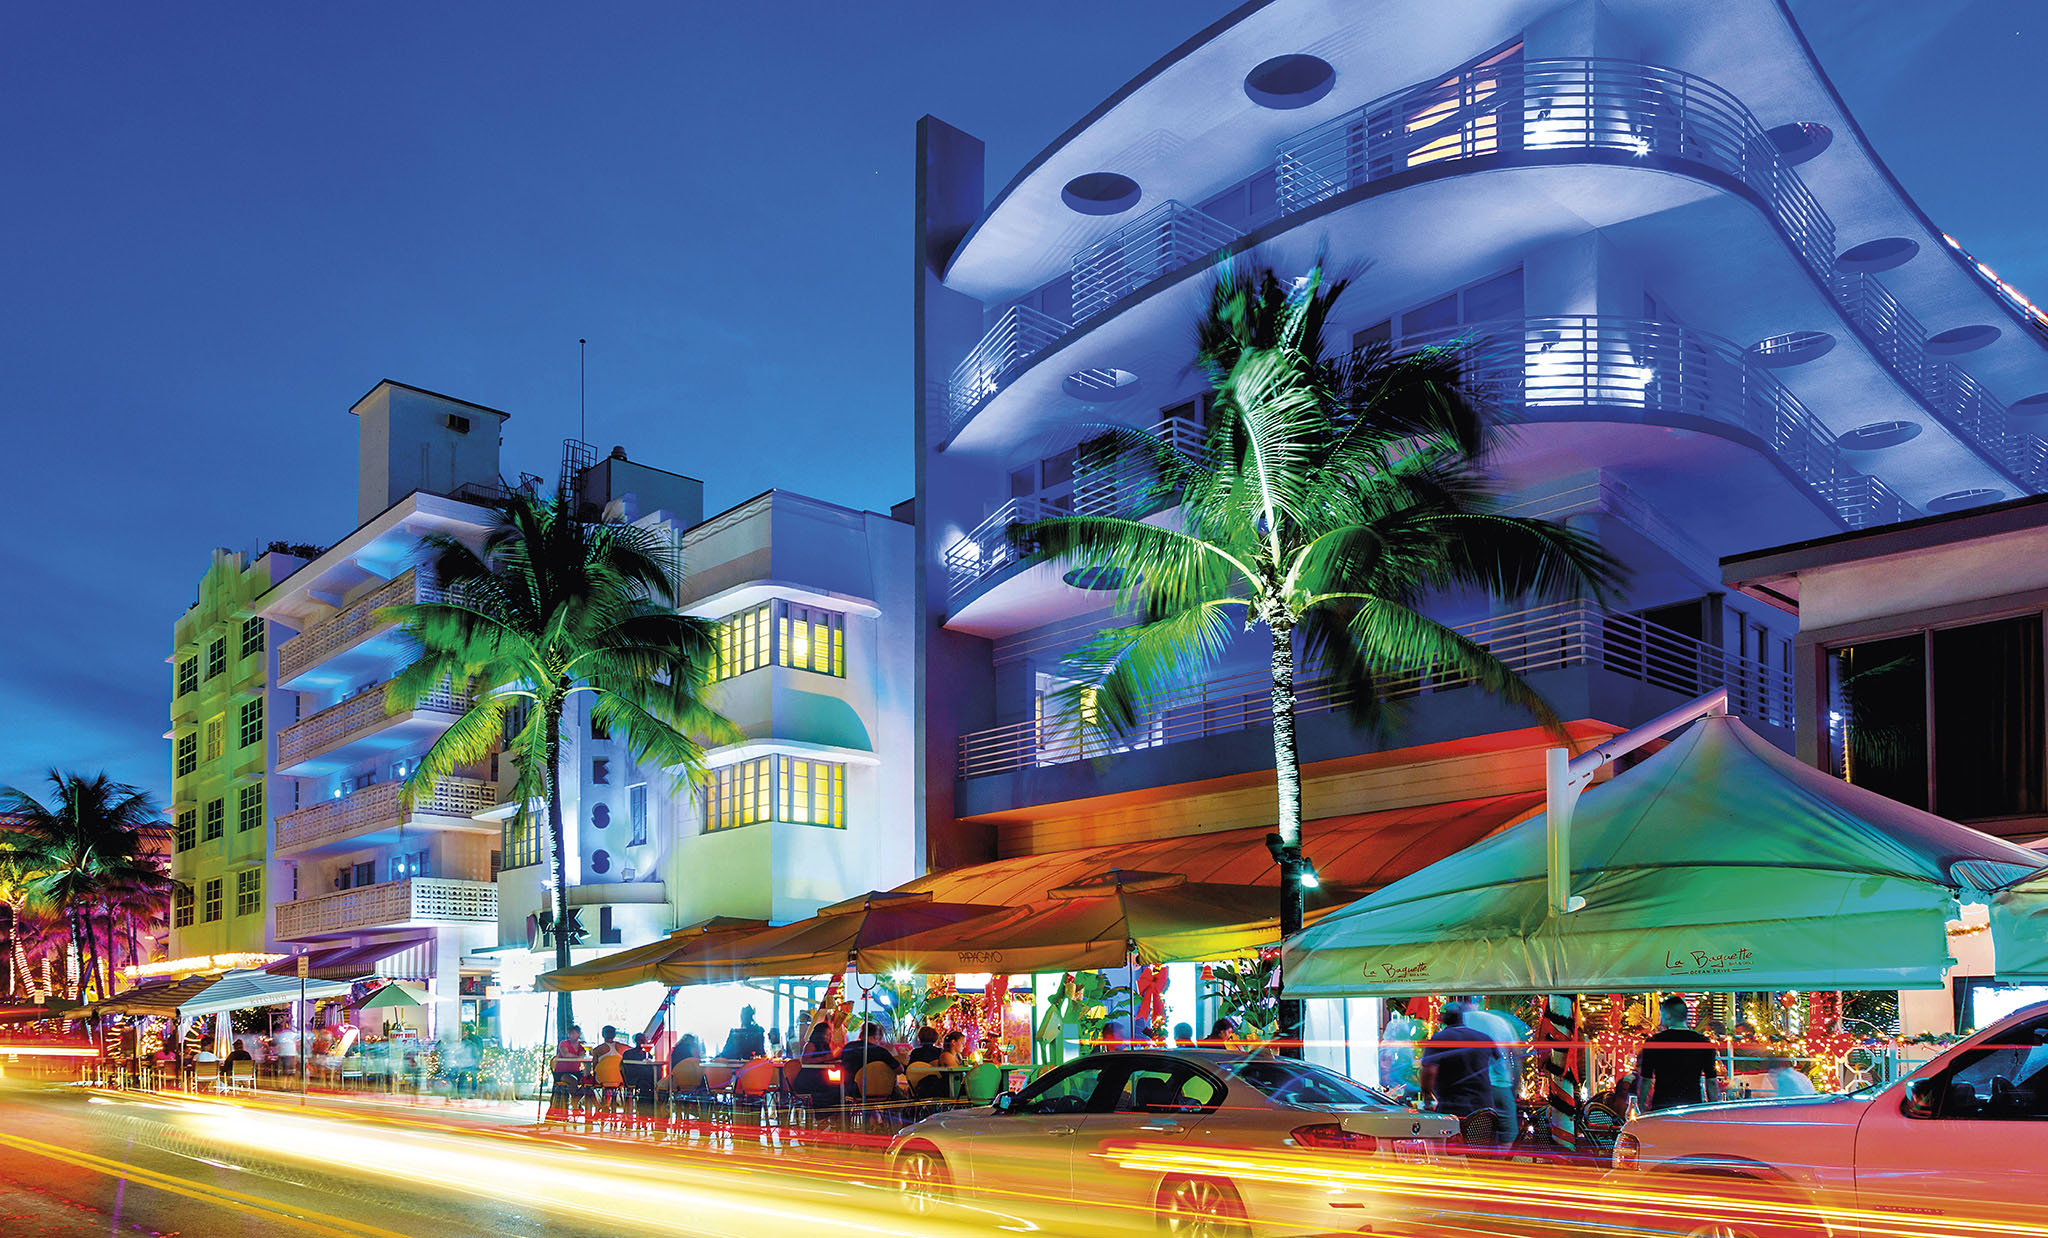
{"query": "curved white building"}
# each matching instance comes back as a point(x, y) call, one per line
point(1721, 321)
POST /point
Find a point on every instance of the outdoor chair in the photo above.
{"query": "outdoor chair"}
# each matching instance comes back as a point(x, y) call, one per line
point(718, 1077)
point(984, 1083)
point(242, 1076)
point(755, 1087)
point(687, 1091)
point(871, 1094)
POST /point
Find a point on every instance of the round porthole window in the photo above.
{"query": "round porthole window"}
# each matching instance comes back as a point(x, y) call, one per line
point(1287, 82)
point(1879, 435)
point(1101, 386)
point(1882, 254)
point(2030, 406)
point(1958, 340)
point(1101, 193)
point(1791, 348)
point(1095, 578)
point(1800, 141)
point(1957, 500)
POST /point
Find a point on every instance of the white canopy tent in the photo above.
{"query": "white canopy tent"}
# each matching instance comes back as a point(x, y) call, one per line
point(1719, 863)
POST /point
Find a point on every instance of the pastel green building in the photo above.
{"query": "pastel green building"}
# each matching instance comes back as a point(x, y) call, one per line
point(221, 706)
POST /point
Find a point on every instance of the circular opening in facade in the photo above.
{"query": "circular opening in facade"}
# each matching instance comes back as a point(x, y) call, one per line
point(1801, 140)
point(1791, 348)
point(1879, 435)
point(1101, 193)
point(1101, 386)
point(1958, 340)
point(1287, 82)
point(1095, 578)
point(2030, 406)
point(1882, 254)
point(1957, 500)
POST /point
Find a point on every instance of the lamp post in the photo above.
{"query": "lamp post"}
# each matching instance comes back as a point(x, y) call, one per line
point(1297, 878)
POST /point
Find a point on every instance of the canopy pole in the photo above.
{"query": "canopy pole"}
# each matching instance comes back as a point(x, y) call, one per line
point(1566, 776)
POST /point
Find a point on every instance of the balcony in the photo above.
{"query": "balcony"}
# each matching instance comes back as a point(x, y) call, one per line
point(1544, 638)
point(373, 816)
point(360, 727)
point(1019, 335)
point(1161, 241)
point(417, 902)
point(354, 639)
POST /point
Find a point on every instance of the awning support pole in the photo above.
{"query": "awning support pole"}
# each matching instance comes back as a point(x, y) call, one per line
point(1566, 776)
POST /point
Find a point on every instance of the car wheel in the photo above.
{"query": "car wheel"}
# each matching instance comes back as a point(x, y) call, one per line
point(1202, 1208)
point(923, 1183)
point(1763, 1214)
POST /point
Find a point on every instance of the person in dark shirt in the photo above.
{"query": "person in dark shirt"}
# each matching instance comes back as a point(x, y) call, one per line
point(1457, 1066)
point(1677, 1064)
point(747, 1040)
point(638, 1053)
point(864, 1049)
point(927, 1050)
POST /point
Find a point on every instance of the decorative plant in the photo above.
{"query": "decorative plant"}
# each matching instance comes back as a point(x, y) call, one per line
point(1244, 989)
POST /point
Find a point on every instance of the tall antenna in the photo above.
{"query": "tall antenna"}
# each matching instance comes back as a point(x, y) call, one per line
point(580, 391)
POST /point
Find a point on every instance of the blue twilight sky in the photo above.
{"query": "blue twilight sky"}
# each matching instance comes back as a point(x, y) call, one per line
point(221, 223)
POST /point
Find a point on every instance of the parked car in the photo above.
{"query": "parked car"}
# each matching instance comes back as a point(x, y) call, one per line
point(1965, 1137)
point(1067, 1139)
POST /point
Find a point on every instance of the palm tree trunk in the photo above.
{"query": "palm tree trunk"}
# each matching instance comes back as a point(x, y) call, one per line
point(23, 981)
point(558, 851)
point(1287, 773)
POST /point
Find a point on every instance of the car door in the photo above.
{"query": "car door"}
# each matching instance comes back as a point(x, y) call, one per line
point(1152, 1100)
point(1024, 1154)
point(1967, 1141)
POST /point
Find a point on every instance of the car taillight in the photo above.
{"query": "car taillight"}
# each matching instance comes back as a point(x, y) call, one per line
point(1627, 1151)
point(1330, 1137)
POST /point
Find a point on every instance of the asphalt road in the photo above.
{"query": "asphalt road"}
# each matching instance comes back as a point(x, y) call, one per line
point(78, 1163)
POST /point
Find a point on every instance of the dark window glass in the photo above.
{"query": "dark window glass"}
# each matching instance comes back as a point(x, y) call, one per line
point(1023, 481)
point(1988, 743)
point(1059, 469)
point(1877, 716)
point(1378, 335)
point(1436, 316)
point(1499, 297)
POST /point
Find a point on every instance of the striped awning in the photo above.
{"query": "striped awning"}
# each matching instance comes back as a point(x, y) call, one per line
point(241, 990)
point(347, 962)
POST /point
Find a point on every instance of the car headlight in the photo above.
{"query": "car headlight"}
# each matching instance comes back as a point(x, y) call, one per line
point(1628, 1150)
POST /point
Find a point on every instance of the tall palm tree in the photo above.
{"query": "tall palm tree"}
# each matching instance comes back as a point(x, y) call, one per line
point(549, 606)
point(72, 851)
point(1330, 498)
point(136, 902)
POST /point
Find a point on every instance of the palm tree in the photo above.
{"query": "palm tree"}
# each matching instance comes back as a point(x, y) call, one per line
point(72, 852)
point(1331, 497)
point(547, 607)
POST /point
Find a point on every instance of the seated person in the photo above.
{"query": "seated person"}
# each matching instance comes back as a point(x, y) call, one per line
point(687, 1049)
point(638, 1053)
point(605, 1069)
point(953, 1050)
point(747, 1040)
point(864, 1049)
point(817, 1057)
point(927, 1051)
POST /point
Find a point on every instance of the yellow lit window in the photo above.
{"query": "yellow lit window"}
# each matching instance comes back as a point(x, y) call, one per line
point(216, 736)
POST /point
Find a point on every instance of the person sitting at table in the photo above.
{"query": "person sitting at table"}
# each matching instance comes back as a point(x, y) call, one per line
point(813, 1078)
point(1222, 1034)
point(927, 1051)
point(1184, 1036)
point(638, 1052)
point(953, 1050)
point(606, 1064)
point(569, 1066)
point(863, 1050)
point(688, 1049)
point(747, 1040)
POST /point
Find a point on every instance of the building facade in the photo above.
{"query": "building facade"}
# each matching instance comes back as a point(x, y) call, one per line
point(222, 698)
point(1715, 319)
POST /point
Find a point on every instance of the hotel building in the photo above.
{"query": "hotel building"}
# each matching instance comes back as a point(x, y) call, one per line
point(1714, 317)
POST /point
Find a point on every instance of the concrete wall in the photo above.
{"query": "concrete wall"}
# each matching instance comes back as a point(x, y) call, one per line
point(406, 441)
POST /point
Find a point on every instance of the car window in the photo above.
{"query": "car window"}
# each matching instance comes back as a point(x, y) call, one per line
point(2005, 1079)
point(1299, 1083)
point(1177, 1088)
point(1067, 1090)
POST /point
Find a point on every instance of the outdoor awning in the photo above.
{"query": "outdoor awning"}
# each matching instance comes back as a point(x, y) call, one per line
point(153, 997)
point(636, 965)
point(1720, 863)
point(346, 962)
point(1359, 852)
point(820, 945)
point(2019, 930)
point(241, 990)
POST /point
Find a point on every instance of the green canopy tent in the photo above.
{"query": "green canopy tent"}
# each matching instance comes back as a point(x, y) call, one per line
point(1720, 863)
point(2019, 930)
point(636, 964)
point(395, 994)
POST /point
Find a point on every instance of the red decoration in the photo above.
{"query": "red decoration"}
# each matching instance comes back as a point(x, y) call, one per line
point(1152, 982)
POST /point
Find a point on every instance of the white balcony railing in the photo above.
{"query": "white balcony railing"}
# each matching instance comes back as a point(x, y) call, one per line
point(1159, 242)
point(1561, 635)
point(375, 807)
point(360, 713)
point(354, 622)
point(1020, 334)
point(393, 904)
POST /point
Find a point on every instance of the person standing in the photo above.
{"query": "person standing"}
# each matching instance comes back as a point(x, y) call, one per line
point(1456, 1074)
point(1677, 1063)
point(748, 1040)
point(1511, 1036)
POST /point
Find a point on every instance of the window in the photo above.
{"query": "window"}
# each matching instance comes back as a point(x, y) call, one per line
point(2006, 1080)
point(812, 639)
point(366, 873)
point(600, 772)
point(217, 656)
point(188, 753)
point(188, 676)
point(598, 730)
point(181, 907)
point(516, 716)
point(249, 809)
point(519, 841)
point(248, 891)
point(216, 822)
point(743, 641)
point(216, 737)
point(188, 830)
point(252, 722)
point(412, 864)
point(1174, 1088)
point(1070, 1089)
point(252, 635)
point(1490, 300)
point(210, 910)
point(792, 789)
point(636, 814)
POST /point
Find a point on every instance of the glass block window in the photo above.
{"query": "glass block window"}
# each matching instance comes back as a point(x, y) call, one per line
point(252, 722)
point(210, 900)
point(252, 635)
point(777, 788)
point(216, 822)
point(811, 639)
point(249, 809)
point(188, 832)
point(188, 753)
point(248, 891)
point(217, 657)
point(181, 907)
point(636, 814)
point(744, 641)
point(216, 737)
point(188, 676)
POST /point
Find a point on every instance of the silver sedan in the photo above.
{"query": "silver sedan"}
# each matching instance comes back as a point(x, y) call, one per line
point(1184, 1141)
